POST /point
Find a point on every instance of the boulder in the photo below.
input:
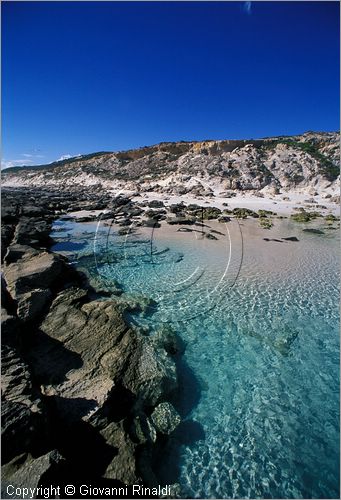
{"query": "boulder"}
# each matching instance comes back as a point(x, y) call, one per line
point(25, 471)
point(313, 230)
point(16, 252)
point(122, 467)
point(290, 238)
point(142, 430)
point(180, 220)
point(33, 271)
point(165, 418)
point(31, 304)
point(210, 236)
point(166, 338)
point(32, 230)
point(156, 204)
point(21, 411)
point(150, 375)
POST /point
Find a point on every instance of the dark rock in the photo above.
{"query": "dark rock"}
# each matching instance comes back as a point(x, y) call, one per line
point(156, 204)
point(29, 230)
point(210, 236)
point(122, 467)
point(169, 340)
point(150, 223)
point(143, 430)
point(21, 413)
point(151, 374)
point(291, 238)
point(25, 471)
point(17, 251)
point(224, 218)
point(33, 271)
point(312, 230)
point(176, 208)
point(31, 304)
point(165, 418)
point(181, 220)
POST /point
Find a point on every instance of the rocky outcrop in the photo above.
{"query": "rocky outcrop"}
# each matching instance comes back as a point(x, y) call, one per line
point(21, 406)
point(75, 375)
point(307, 161)
point(27, 472)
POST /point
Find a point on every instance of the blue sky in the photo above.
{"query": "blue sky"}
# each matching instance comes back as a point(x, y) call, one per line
point(80, 77)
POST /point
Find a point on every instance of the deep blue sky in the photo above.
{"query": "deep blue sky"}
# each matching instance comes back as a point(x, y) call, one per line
point(80, 77)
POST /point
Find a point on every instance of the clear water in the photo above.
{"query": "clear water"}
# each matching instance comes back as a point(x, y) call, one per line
point(260, 377)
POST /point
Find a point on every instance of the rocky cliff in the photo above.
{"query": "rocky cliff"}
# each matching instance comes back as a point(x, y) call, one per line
point(303, 162)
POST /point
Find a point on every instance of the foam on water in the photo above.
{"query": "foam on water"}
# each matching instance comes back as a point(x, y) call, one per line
point(259, 391)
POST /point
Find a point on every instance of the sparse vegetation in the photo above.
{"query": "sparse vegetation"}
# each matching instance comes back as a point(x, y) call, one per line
point(329, 169)
point(265, 223)
point(304, 216)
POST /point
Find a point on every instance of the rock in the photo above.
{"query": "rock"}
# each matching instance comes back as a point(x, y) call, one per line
point(151, 374)
point(21, 414)
point(31, 304)
point(16, 252)
point(174, 491)
point(90, 342)
point(242, 213)
point(181, 220)
point(224, 218)
point(29, 230)
point(10, 326)
point(210, 236)
point(176, 207)
point(138, 303)
point(103, 286)
point(150, 223)
point(291, 238)
point(122, 467)
point(167, 339)
point(312, 230)
point(165, 418)
point(27, 472)
point(33, 271)
point(143, 430)
point(156, 204)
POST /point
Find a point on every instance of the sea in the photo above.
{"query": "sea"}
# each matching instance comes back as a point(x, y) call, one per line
point(259, 381)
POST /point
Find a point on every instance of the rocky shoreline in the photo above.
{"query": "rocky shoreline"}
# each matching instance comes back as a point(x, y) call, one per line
point(85, 397)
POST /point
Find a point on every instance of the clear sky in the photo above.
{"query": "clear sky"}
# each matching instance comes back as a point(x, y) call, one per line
point(80, 77)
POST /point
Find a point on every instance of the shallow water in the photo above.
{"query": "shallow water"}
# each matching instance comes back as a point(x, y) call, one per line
point(260, 377)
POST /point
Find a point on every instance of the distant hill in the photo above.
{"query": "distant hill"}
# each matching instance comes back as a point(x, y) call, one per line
point(310, 160)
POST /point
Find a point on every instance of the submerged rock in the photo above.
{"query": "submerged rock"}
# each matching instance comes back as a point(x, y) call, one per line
point(210, 236)
point(165, 418)
point(312, 230)
point(181, 220)
point(151, 374)
point(167, 339)
point(291, 238)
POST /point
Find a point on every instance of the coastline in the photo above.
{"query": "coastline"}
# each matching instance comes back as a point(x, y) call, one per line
point(61, 362)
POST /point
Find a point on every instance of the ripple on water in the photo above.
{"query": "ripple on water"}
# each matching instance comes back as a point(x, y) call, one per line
point(260, 380)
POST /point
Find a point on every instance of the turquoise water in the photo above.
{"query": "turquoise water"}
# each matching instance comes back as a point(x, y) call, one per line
point(259, 390)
